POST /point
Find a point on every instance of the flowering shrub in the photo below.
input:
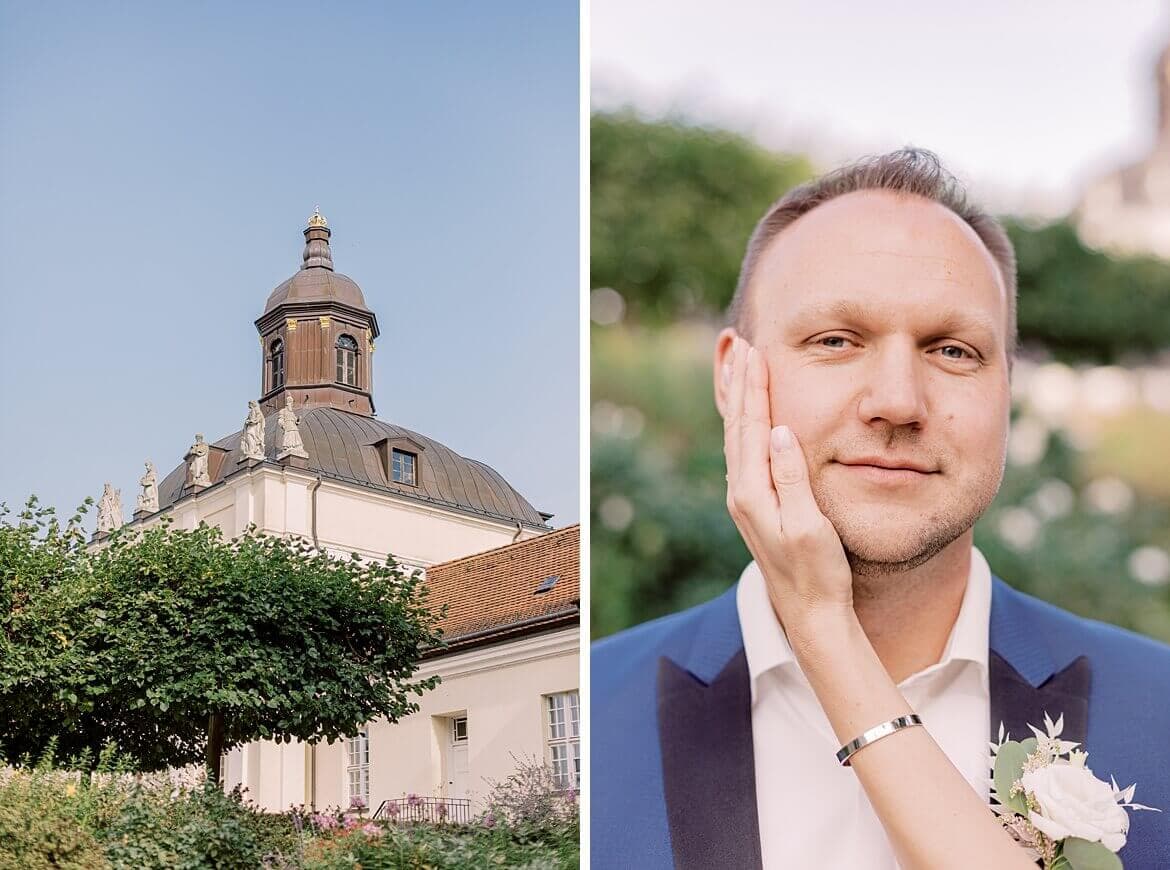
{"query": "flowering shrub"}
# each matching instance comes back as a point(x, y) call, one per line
point(530, 796)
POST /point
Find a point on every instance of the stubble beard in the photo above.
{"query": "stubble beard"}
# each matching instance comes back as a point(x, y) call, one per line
point(877, 549)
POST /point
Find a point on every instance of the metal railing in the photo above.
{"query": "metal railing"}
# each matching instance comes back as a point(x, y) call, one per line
point(415, 808)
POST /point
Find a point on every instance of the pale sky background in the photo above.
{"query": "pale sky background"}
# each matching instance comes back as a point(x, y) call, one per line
point(158, 162)
point(1027, 101)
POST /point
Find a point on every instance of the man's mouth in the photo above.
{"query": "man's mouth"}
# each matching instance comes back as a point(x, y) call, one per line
point(887, 470)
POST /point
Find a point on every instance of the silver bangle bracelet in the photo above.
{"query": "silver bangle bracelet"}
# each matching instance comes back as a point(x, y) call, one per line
point(874, 734)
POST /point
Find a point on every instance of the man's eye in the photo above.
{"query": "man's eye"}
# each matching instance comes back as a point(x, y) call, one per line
point(957, 353)
point(833, 341)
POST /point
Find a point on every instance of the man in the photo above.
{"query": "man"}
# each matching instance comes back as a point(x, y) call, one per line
point(882, 304)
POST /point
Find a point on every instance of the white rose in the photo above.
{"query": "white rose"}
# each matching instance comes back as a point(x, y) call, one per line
point(1074, 803)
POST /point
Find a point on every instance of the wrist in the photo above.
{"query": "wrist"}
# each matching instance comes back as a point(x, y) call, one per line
point(829, 627)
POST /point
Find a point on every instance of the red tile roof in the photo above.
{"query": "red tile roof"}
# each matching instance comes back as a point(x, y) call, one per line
point(492, 592)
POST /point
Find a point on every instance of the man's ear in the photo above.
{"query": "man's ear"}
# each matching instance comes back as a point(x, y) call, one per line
point(723, 346)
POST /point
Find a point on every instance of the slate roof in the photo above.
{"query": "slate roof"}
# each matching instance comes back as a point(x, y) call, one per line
point(339, 444)
point(494, 593)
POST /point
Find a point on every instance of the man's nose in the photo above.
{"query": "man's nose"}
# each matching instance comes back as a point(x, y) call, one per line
point(894, 390)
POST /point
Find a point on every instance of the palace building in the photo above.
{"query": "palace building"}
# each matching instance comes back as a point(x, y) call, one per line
point(333, 473)
point(1128, 210)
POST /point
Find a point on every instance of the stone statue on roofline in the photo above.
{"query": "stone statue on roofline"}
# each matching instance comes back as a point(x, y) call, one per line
point(196, 459)
point(290, 436)
point(252, 441)
point(148, 498)
point(109, 510)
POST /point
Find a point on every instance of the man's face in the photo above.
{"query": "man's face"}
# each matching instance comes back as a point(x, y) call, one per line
point(883, 321)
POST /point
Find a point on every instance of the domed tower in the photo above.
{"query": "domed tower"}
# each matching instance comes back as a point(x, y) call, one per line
point(1128, 210)
point(317, 335)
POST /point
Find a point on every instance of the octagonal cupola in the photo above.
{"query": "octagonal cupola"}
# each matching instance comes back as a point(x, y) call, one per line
point(317, 335)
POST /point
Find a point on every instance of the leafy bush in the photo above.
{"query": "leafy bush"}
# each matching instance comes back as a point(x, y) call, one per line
point(39, 825)
point(374, 846)
point(204, 828)
point(61, 817)
point(111, 820)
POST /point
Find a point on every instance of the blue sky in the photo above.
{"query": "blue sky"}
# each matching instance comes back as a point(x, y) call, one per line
point(159, 161)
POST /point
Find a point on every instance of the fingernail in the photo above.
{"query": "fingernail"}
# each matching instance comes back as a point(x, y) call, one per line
point(726, 373)
point(781, 438)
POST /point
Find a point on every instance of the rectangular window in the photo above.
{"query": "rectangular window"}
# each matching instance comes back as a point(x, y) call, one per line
point(564, 738)
point(402, 467)
point(459, 729)
point(357, 769)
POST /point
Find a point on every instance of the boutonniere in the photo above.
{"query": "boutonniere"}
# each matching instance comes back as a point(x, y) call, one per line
point(1050, 801)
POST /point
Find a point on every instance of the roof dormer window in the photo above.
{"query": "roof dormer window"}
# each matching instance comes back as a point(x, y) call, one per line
point(402, 466)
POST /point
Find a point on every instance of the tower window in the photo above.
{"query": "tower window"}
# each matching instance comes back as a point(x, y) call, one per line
point(402, 467)
point(276, 371)
point(347, 360)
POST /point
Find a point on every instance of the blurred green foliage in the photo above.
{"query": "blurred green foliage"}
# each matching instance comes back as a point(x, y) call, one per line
point(672, 207)
point(1083, 305)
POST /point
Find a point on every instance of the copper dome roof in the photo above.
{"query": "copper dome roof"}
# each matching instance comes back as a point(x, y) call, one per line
point(317, 285)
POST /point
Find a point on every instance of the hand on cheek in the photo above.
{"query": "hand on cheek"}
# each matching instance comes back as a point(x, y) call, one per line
point(771, 502)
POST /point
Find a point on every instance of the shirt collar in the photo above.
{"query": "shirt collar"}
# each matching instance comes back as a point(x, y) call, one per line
point(766, 646)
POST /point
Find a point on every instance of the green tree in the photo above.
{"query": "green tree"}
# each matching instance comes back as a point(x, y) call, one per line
point(176, 645)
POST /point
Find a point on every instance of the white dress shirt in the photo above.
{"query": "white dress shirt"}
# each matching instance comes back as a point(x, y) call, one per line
point(813, 812)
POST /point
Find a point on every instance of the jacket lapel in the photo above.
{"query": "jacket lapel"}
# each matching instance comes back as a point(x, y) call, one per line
point(708, 766)
point(708, 762)
point(1025, 682)
point(1016, 703)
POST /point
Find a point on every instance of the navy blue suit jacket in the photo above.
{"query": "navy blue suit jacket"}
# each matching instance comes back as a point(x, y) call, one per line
point(672, 768)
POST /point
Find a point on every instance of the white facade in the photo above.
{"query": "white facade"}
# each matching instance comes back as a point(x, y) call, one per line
point(499, 690)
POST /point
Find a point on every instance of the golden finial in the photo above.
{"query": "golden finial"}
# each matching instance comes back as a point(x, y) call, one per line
point(318, 219)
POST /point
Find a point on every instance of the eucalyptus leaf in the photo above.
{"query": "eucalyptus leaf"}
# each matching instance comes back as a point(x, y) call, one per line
point(1085, 855)
point(1009, 766)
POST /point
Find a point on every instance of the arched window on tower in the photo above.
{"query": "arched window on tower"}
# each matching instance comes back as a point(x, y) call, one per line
point(276, 370)
point(347, 360)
